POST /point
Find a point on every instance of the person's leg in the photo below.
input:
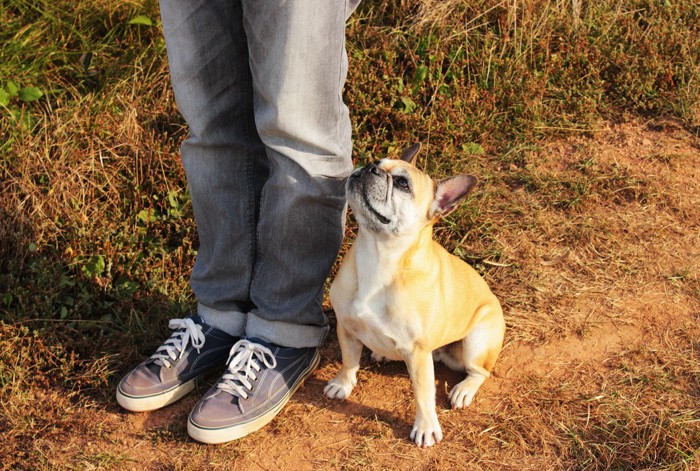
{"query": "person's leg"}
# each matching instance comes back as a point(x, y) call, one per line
point(223, 157)
point(299, 65)
point(226, 166)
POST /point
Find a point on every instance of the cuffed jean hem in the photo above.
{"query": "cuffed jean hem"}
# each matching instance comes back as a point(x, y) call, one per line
point(231, 322)
point(285, 334)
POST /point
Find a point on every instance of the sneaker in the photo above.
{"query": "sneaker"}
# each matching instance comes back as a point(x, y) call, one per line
point(193, 350)
point(259, 381)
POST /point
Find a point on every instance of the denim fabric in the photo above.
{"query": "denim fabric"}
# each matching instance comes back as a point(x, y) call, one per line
point(259, 83)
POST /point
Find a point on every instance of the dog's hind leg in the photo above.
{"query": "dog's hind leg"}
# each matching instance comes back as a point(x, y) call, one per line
point(341, 386)
point(479, 351)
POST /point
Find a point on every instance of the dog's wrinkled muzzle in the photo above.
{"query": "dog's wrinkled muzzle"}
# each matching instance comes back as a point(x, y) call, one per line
point(372, 185)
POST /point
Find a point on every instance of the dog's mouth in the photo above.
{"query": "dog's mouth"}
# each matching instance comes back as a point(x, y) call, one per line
point(362, 190)
point(381, 218)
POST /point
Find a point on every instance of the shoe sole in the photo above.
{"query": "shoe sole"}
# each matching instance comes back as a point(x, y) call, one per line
point(154, 401)
point(215, 436)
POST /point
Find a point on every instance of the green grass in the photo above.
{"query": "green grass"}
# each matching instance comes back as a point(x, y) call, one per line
point(521, 71)
point(96, 230)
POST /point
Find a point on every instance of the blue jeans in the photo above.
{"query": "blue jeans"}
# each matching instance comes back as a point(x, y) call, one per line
point(259, 83)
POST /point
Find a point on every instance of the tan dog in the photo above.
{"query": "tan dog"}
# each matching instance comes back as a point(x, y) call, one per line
point(405, 297)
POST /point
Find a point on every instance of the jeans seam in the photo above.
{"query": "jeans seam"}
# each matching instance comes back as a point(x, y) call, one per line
point(252, 226)
point(258, 249)
point(343, 60)
point(253, 242)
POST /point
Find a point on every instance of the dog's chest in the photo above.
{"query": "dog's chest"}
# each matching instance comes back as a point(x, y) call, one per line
point(373, 326)
point(371, 315)
point(372, 310)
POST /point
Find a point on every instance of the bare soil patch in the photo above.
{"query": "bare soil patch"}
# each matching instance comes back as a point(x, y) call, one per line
point(599, 274)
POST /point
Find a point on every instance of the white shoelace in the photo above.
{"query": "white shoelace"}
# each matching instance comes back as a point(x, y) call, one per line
point(243, 363)
point(175, 346)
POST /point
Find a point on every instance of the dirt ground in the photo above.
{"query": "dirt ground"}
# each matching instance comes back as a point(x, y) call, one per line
point(601, 366)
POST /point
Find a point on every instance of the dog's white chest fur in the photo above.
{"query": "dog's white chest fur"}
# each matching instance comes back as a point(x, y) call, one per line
point(368, 314)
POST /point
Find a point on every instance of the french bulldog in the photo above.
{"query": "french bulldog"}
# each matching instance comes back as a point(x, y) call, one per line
point(401, 294)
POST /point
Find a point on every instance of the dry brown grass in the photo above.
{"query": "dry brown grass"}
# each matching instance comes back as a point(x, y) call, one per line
point(600, 370)
point(586, 225)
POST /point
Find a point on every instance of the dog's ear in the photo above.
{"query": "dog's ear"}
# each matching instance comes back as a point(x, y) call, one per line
point(449, 193)
point(410, 154)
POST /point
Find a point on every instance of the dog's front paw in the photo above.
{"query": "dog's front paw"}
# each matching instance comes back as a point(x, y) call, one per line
point(426, 432)
point(338, 388)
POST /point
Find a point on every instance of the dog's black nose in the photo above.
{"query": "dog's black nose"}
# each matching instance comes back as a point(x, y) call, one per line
point(373, 168)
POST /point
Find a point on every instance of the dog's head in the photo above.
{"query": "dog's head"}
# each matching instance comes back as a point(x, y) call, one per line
point(394, 197)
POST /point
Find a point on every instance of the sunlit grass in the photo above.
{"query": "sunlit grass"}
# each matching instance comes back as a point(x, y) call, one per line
point(96, 230)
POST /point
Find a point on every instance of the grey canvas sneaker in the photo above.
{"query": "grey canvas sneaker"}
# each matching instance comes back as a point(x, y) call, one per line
point(259, 381)
point(193, 350)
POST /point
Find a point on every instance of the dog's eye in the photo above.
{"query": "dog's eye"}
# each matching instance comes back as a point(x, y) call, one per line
point(401, 182)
